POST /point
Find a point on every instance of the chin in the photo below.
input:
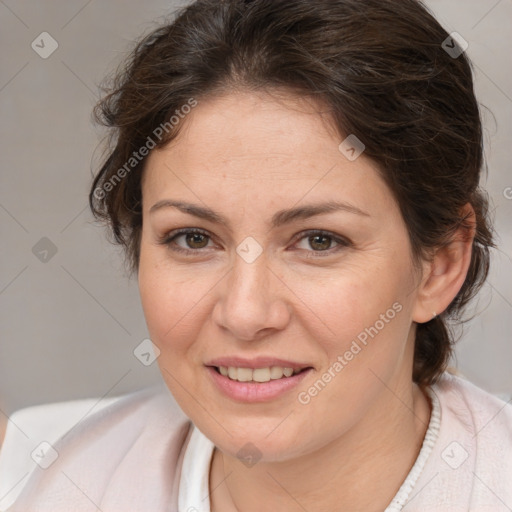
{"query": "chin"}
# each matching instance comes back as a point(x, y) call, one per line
point(267, 440)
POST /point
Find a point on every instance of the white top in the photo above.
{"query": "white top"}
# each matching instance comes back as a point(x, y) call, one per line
point(141, 453)
point(194, 489)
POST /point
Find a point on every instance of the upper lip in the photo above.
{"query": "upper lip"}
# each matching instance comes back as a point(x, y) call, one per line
point(257, 362)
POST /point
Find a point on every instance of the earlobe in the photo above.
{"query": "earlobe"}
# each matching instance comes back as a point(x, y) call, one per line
point(445, 274)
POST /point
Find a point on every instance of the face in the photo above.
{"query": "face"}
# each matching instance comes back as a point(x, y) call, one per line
point(246, 275)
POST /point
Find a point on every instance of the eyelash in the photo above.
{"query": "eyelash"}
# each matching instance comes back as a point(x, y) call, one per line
point(167, 240)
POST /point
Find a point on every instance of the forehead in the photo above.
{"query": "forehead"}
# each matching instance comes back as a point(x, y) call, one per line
point(237, 127)
point(262, 145)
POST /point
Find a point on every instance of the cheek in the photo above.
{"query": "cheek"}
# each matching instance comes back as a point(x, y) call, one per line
point(365, 320)
point(169, 297)
point(362, 333)
point(177, 304)
point(348, 300)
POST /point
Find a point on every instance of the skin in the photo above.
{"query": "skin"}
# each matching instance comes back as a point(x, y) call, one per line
point(247, 156)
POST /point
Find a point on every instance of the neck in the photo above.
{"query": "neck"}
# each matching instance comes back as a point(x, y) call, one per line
point(359, 471)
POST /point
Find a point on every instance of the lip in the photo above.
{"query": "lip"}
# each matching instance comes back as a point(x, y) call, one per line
point(254, 392)
point(257, 362)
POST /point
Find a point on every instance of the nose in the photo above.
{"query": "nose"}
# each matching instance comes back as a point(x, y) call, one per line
point(253, 302)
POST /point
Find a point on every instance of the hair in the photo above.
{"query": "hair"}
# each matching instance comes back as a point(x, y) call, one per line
point(379, 66)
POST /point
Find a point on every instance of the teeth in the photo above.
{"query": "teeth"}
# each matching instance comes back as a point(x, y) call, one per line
point(258, 374)
point(243, 374)
point(261, 374)
point(276, 372)
point(288, 372)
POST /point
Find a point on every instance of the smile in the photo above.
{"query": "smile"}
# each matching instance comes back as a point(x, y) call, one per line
point(251, 385)
point(256, 374)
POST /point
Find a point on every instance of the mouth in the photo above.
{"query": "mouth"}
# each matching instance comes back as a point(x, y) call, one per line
point(258, 383)
point(258, 375)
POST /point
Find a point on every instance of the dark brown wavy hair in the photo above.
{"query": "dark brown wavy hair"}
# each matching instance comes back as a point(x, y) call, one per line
point(383, 71)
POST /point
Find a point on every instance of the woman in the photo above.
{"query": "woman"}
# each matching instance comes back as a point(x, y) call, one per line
point(296, 185)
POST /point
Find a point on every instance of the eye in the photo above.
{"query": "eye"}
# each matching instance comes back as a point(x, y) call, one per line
point(194, 238)
point(321, 242)
point(196, 241)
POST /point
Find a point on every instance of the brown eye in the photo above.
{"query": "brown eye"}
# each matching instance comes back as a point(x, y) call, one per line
point(321, 243)
point(195, 241)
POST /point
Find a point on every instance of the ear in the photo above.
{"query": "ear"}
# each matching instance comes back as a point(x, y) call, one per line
point(444, 275)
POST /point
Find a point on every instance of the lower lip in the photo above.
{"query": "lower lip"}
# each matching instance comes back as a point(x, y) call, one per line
point(255, 391)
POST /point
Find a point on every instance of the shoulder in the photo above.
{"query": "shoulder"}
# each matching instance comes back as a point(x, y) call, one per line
point(481, 411)
point(470, 467)
point(43, 441)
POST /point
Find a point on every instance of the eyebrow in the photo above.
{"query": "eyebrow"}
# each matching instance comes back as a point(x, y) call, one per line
point(278, 219)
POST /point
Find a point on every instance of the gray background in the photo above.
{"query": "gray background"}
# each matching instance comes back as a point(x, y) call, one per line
point(69, 325)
